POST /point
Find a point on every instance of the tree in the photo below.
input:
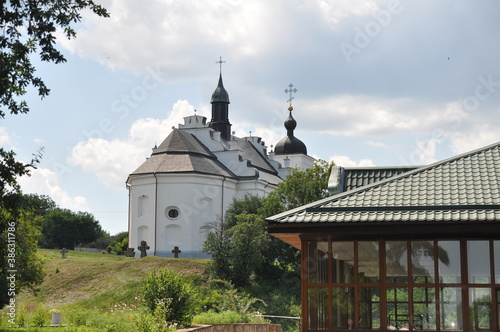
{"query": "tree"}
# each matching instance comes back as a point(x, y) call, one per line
point(299, 188)
point(39, 204)
point(62, 228)
point(166, 293)
point(241, 248)
point(18, 245)
point(27, 27)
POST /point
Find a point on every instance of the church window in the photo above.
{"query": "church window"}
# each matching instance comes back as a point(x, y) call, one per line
point(142, 205)
point(172, 212)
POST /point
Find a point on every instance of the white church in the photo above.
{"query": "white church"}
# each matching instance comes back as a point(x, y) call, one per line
point(192, 177)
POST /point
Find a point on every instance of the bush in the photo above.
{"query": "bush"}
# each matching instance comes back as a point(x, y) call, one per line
point(167, 294)
point(225, 317)
point(40, 316)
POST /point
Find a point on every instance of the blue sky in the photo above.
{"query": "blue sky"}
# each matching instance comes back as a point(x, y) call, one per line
point(379, 83)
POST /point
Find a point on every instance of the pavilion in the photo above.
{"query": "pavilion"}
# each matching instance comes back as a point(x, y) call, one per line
point(413, 249)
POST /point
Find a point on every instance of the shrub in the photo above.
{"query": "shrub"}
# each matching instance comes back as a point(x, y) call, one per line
point(167, 294)
point(40, 316)
point(225, 317)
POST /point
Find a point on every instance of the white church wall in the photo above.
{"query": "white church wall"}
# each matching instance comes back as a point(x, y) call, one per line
point(141, 209)
point(199, 200)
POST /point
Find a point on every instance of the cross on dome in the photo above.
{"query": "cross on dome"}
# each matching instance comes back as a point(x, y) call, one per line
point(291, 90)
point(220, 62)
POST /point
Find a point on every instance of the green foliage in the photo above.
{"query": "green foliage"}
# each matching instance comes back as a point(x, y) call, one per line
point(40, 316)
point(120, 244)
point(225, 317)
point(233, 299)
point(299, 188)
point(18, 247)
point(27, 27)
point(39, 204)
point(241, 249)
point(168, 294)
point(30, 28)
point(63, 228)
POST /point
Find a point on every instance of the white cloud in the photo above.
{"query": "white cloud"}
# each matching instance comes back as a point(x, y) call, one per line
point(176, 35)
point(345, 161)
point(113, 160)
point(377, 144)
point(351, 115)
point(477, 137)
point(45, 182)
point(4, 137)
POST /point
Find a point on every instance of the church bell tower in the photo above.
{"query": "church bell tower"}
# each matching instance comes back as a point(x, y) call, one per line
point(220, 108)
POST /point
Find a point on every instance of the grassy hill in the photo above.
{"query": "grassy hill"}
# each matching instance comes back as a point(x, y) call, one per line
point(89, 280)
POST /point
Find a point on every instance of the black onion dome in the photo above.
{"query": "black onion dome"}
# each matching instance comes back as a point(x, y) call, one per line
point(290, 123)
point(290, 144)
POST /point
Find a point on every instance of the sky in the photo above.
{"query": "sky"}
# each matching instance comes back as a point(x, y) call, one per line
point(379, 83)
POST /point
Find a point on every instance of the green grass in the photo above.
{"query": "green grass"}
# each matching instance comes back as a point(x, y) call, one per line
point(98, 279)
point(97, 290)
point(101, 292)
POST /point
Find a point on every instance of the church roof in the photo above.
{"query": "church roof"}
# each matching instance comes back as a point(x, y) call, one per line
point(465, 188)
point(256, 159)
point(182, 152)
point(182, 142)
point(290, 144)
point(220, 94)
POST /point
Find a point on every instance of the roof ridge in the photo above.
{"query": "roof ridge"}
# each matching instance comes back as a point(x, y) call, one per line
point(384, 182)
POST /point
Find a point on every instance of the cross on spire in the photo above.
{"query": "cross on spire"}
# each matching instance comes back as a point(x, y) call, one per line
point(220, 62)
point(291, 90)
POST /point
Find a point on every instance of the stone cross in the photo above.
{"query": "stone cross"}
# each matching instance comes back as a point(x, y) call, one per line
point(63, 252)
point(130, 252)
point(142, 248)
point(176, 252)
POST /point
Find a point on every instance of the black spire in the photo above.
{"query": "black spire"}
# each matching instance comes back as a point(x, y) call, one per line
point(220, 109)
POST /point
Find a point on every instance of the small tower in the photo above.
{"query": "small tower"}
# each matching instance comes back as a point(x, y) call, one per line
point(291, 151)
point(290, 144)
point(220, 108)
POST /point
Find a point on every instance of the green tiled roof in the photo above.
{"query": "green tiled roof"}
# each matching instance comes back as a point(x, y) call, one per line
point(355, 177)
point(465, 188)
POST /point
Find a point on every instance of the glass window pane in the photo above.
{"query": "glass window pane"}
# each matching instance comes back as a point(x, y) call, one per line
point(343, 262)
point(397, 308)
point(480, 309)
point(396, 257)
point(317, 262)
point(343, 307)
point(422, 261)
point(369, 308)
point(496, 249)
point(478, 261)
point(449, 262)
point(317, 298)
point(368, 262)
point(424, 308)
point(450, 306)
